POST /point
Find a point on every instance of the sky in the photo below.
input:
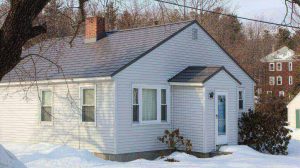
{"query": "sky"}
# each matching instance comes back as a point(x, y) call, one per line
point(269, 10)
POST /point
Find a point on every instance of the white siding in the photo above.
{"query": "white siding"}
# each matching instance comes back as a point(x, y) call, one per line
point(292, 107)
point(20, 118)
point(221, 82)
point(188, 106)
point(156, 68)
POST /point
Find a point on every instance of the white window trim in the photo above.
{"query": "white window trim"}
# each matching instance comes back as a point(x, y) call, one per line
point(158, 90)
point(278, 80)
point(273, 67)
point(291, 82)
point(40, 107)
point(273, 79)
point(282, 94)
point(290, 66)
point(243, 98)
point(279, 69)
point(81, 88)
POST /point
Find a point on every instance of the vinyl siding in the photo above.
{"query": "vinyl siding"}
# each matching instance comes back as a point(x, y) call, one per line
point(292, 107)
point(156, 68)
point(188, 106)
point(20, 117)
point(221, 82)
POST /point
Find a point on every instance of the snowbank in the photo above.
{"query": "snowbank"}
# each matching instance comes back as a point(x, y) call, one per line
point(58, 156)
point(9, 160)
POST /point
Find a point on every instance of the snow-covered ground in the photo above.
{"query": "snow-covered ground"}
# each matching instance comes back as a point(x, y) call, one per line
point(56, 156)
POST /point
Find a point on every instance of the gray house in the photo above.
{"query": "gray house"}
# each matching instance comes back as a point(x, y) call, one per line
point(118, 91)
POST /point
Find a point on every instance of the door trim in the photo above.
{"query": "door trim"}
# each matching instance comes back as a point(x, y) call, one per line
point(221, 92)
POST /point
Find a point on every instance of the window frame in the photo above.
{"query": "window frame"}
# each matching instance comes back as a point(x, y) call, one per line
point(243, 99)
point(278, 69)
point(290, 66)
point(273, 79)
point(158, 89)
point(291, 80)
point(278, 80)
point(41, 105)
point(81, 88)
point(281, 95)
point(270, 69)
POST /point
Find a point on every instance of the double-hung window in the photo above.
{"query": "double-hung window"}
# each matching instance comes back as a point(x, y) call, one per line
point(279, 80)
point(272, 80)
point(290, 66)
point(290, 80)
point(46, 105)
point(271, 67)
point(88, 104)
point(150, 104)
point(279, 66)
point(241, 100)
point(164, 105)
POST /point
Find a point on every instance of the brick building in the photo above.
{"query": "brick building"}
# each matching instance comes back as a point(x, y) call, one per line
point(279, 72)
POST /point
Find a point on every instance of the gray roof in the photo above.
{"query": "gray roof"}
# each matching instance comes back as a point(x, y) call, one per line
point(103, 58)
point(199, 74)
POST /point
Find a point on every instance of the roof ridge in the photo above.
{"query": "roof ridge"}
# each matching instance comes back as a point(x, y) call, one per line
point(153, 26)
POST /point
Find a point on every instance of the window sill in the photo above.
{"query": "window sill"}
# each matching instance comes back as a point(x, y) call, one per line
point(135, 124)
point(88, 124)
point(46, 123)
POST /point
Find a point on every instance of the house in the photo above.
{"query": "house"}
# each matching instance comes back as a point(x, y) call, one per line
point(118, 91)
point(279, 72)
point(294, 112)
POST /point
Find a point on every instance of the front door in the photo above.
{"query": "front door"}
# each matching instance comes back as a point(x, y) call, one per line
point(221, 118)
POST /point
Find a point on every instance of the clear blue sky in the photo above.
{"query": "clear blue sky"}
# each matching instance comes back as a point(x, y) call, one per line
point(270, 10)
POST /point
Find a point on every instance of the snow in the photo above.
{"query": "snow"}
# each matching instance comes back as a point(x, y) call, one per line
point(9, 160)
point(59, 156)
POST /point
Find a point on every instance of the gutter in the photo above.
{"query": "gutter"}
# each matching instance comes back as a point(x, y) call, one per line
point(57, 81)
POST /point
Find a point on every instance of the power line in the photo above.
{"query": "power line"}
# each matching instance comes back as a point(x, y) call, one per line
point(229, 15)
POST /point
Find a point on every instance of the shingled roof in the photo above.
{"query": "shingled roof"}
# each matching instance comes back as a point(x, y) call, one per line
point(103, 58)
point(199, 74)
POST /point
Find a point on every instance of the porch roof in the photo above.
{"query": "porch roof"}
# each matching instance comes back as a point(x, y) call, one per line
point(199, 74)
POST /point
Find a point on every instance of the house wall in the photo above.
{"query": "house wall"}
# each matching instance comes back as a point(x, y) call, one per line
point(292, 107)
point(187, 114)
point(221, 82)
point(156, 68)
point(20, 117)
point(284, 73)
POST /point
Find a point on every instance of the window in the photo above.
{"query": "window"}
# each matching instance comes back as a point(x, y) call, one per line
point(269, 92)
point(272, 80)
point(150, 104)
point(88, 104)
point(241, 100)
point(135, 104)
point(259, 91)
point(290, 66)
point(194, 34)
point(279, 66)
point(164, 105)
point(46, 106)
point(271, 67)
point(290, 80)
point(149, 107)
point(281, 93)
point(279, 80)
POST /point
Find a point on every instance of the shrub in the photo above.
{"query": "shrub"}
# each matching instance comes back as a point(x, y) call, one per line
point(174, 140)
point(264, 132)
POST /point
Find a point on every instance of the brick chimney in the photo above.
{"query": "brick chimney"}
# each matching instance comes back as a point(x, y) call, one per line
point(94, 29)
